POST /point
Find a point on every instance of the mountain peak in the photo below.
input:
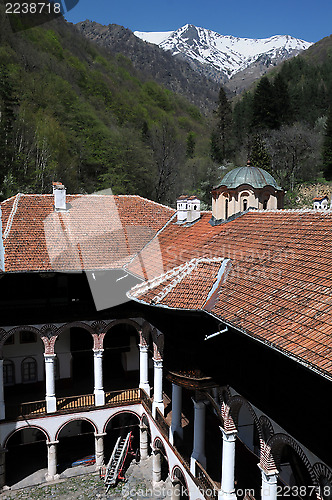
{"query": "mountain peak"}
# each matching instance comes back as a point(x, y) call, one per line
point(224, 56)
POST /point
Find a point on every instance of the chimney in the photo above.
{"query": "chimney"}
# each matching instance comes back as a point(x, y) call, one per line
point(59, 192)
point(181, 206)
point(194, 209)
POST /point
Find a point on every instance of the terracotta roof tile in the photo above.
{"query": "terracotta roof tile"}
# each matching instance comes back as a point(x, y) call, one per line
point(279, 288)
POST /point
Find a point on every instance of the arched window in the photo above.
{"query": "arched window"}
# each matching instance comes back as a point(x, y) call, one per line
point(29, 370)
point(245, 205)
point(226, 209)
point(8, 372)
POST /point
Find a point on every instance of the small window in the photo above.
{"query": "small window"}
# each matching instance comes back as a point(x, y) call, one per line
point(29, 370)
point(264, 204)
point(10, 340)
point(226, 209)
point(245, 205)
point(28, 337)
point(8, 372)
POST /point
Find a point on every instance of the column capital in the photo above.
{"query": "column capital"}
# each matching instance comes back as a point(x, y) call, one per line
point(198, 404)
point(98, 435)
point(143, 347)
point(98, 352)
point(49, 443)
point(49, 357)
point(158, 363)
point(269, 476)
point(228, 435)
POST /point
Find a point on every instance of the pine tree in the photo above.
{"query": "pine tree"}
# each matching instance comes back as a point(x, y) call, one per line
point(327, 148)
point(221, 137)
point(259, 157)
point(282, 101)
point(265, 115)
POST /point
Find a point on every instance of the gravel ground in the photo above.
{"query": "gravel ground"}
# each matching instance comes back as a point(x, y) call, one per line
point(138, 486)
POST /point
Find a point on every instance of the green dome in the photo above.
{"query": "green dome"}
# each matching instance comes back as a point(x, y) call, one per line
point(254, 176)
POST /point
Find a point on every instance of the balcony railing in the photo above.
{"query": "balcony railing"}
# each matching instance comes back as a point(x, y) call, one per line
point(118, 398)
point(23, 409)
point(162, 424)
point(207, 485)
point(75, 402)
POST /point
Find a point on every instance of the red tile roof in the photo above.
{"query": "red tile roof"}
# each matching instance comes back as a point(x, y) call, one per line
point(96, 232)
point(279, 285)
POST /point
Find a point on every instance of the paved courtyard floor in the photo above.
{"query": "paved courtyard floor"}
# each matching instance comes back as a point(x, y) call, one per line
point(88, 485)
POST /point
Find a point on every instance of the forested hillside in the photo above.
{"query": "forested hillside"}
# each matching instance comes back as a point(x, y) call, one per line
point(73, 112)
point(284, 123)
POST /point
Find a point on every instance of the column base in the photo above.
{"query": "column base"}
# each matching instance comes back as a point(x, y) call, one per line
point(194, 459)
point(48, 477)
point(226, 496)
point(160, 407)
point(50, 404)
point(146, 388)
point(99, 397)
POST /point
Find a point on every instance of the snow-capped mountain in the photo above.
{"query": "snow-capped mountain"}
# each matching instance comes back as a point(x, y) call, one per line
point(225, 54)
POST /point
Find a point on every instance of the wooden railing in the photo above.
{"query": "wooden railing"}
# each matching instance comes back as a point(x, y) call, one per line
point(23, 409)
point(146, 401)
point(207, 485)
point(162, 424)
point(75, 402)
point(116, 398)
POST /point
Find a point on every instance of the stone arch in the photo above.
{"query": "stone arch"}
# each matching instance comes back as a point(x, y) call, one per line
point(321, 469)
point(266, 426)
point(120, 412)
point(128, 321)
point(16, 329)
point(178, 474)
point(25, 427)
point(273, 453)
point(159, 448)
point(75, 324)
point(74, 420)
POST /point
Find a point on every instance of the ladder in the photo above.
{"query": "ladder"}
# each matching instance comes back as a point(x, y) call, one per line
point(116, 462)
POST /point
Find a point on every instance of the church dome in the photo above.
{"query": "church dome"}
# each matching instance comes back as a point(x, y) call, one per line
point(254, 176)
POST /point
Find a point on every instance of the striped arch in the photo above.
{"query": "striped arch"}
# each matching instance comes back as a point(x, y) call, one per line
point(22, 328)
point(159, 445)
point(75, 420)
point(273, 450)
point(130, 322)
point(26, 427)
point(231, 410)
point(178, 474)
point(119, 413)
point(75, 324)
point(321, 471)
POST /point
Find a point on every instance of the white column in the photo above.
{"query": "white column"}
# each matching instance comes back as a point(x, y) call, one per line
point(50, 382)
point(176, 413)
point(176, 490)
point(51, 460)
point(144, 368)
point(2, 398)
point(156, 467)
point(269, 485)
point(99, 450)
point(158, 401)
point(2, 468)
point(98, 377)
point(143, 442)
point(198, 453)
point(227, 491)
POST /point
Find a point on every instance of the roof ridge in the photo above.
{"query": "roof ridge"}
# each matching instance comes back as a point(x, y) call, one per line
point(11, 216)
point(178, 272)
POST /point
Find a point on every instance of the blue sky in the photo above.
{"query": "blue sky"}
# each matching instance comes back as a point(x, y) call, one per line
point(307, 19)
